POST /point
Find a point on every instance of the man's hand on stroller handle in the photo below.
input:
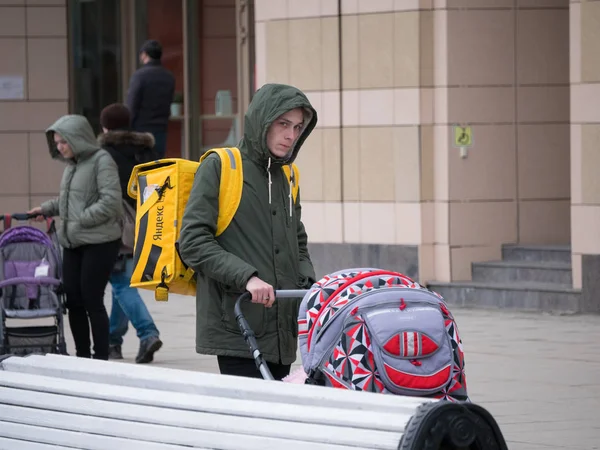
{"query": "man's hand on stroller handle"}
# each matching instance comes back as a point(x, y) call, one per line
point(261, 292)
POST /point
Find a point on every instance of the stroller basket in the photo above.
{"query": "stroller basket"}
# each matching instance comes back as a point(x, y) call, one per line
point(27, 340)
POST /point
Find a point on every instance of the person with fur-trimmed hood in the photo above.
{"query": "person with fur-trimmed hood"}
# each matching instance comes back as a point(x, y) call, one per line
point(128, 148)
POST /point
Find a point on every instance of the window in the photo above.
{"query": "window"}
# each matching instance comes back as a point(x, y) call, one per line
point(96, 56)
point(162, 20)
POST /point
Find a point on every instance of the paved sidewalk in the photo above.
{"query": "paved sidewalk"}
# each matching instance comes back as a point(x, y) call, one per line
point(538, 374)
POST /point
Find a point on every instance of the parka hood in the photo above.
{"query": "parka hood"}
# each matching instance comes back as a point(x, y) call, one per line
point(270, 102)
point(78, 132)
point(129, 143)
point(126, 137)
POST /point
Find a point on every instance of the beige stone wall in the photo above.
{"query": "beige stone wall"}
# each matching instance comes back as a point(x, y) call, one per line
point(33, 45)
point(585, 132)
point(410, 70)
point(380, 168)
point(297, 43)
point(504, 71)
point(361, 169)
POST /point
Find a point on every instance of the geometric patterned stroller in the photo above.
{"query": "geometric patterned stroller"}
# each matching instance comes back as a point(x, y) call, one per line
point(380, 331)
point(30, 288)
point(373, 330)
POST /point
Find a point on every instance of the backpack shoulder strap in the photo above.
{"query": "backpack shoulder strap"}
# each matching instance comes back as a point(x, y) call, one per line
point(292, 173)
point(232, 182)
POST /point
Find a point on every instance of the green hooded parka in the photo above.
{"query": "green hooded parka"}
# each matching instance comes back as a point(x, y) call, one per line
point(265, 239)
point(89, 204)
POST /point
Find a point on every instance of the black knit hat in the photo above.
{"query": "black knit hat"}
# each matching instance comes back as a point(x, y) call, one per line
point(152, 48)
point(115, 117)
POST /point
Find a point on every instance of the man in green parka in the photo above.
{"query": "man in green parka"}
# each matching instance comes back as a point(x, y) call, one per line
point(263, 248)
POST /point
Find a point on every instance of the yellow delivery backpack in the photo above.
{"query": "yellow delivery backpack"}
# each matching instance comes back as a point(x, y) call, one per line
point(162, 189)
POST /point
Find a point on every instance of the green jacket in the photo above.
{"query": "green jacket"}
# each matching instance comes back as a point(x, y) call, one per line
point(263, 239)
point(89, 203)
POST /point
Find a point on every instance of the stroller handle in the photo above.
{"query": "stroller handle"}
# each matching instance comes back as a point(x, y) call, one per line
point(284, 293)
point(24, 216)
point(7, 219)
point(248, 333)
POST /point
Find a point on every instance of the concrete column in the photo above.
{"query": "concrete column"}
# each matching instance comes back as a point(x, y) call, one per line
point(501, 73)
point(585, 149)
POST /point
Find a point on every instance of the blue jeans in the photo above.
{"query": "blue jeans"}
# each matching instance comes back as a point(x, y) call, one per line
point(127, 305)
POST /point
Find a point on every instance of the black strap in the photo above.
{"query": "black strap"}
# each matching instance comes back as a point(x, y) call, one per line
point(13, 298)
point(315, 377)
point(153, 257)
point(34, 303)
point(51, 225)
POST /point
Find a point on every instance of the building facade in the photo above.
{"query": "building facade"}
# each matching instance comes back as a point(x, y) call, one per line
point(447, 128)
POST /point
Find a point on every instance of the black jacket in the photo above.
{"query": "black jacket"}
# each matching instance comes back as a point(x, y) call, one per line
point(150, 95)
point(128, 149)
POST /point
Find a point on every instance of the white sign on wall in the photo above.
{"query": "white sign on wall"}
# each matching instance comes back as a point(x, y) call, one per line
point(12, 88)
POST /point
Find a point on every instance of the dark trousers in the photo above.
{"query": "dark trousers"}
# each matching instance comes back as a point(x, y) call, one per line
point(160, 143)
point(246, 367)
point(86, 270)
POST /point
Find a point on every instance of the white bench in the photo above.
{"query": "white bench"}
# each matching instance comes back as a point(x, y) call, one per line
point(53, 401)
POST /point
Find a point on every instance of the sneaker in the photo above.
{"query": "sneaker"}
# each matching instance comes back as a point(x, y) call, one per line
point(147, 349)
point(114, 352)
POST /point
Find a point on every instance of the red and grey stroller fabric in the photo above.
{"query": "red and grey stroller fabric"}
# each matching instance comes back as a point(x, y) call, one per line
point(380, 331)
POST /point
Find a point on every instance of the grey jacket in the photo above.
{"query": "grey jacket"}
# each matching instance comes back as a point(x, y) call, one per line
point(89, 204)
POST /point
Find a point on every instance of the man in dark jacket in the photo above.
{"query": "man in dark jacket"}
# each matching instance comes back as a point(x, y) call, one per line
point(150, 95)
point(264, 247)
point(128, 148)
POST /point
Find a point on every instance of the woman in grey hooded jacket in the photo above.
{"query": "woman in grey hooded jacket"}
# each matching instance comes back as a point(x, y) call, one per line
point(90, 211)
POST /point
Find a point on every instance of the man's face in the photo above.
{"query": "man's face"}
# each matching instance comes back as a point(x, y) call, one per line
point(284, 131)
point(143, 57)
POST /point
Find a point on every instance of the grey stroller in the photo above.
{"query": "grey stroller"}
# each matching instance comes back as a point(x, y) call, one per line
point(30, 288)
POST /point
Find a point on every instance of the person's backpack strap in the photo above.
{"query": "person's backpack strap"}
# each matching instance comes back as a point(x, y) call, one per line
point(232, 182)
point(128, 233)
point(154, 197)
point(292, 173)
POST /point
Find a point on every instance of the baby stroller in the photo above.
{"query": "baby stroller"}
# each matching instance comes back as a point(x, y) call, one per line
point(30, 288)
point(377, 331)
